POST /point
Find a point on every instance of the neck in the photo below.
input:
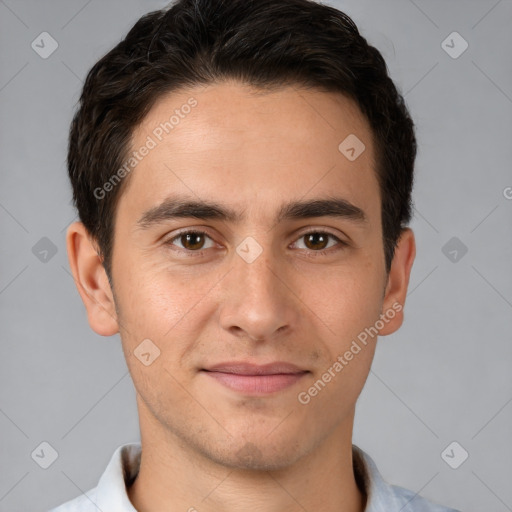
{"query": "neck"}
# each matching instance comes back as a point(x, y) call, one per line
point(169, 479)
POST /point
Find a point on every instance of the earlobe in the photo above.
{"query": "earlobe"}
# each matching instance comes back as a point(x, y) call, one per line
point(398, 281)
point(91, 280)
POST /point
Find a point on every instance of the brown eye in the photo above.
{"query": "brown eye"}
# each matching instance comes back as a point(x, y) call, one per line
point(191, 241)
point(316, 241)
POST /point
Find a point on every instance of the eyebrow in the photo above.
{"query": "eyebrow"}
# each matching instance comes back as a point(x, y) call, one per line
point(175, 207)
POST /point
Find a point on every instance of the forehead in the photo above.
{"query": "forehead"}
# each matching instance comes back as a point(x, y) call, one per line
point(235, 145)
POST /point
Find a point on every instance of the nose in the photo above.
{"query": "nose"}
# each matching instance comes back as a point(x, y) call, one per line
point(257, 299)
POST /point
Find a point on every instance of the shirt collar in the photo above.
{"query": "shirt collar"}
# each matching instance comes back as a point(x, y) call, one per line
point(111, 492)
point(380, 496)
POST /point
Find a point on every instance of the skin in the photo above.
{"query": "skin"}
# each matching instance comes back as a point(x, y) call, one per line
point(204, 445)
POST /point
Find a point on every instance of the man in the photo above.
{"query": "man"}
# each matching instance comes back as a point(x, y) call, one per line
point(243, 174)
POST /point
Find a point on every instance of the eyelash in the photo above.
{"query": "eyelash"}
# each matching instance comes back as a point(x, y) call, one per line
point(192, 254)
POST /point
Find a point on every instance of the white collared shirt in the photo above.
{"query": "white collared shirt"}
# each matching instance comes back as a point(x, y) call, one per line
point(110, 494)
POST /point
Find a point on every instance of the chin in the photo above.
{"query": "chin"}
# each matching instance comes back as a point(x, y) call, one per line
point(257, 455)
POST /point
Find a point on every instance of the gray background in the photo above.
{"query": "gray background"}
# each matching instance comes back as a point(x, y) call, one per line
point(444, 377)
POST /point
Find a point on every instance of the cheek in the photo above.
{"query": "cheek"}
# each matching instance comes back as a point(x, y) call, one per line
point(157, 308)
point(151, 294)
point(164, 305)
point(348, 304)
point(346, 299)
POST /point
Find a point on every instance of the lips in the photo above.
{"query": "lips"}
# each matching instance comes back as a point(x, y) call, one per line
point(254, 379)
point(241, 368)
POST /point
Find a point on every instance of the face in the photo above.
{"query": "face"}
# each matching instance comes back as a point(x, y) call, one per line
point(254, 280)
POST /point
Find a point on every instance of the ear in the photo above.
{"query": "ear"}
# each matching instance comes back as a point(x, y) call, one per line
point(91, 280)
point(398, 282)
